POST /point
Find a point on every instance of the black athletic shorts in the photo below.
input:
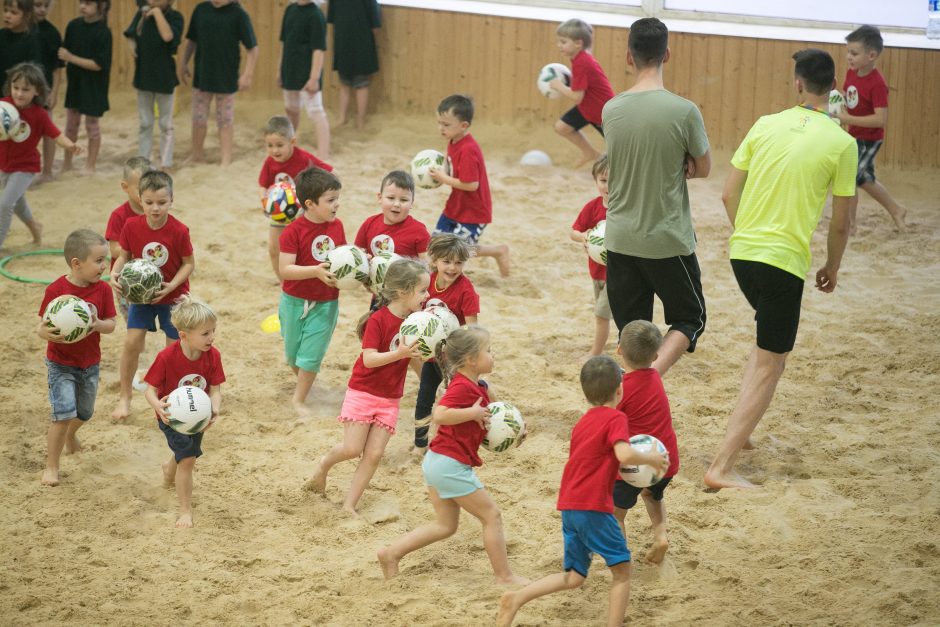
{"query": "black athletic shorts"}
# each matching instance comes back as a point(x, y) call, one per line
point(575, 120)
point(775, 295)
point(625, 495)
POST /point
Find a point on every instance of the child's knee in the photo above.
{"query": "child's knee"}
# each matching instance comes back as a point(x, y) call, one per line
point(372, 456)
point(186, 464)
point(621, 571)
point(562, 128)
point(574, 579)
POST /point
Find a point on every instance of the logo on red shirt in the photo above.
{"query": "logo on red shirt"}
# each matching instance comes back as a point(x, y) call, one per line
point(157, 253)
point(321, 245)
point(193, 380)
point(382, 243)
point(851, 97)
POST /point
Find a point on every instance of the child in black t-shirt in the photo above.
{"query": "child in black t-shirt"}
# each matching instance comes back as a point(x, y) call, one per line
point(303, 47)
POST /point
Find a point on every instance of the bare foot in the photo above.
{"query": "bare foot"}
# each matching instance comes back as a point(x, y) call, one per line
point(508, 606)
point(185, 521)
point(123, 409)
point(341, 121)
point(749, 445)
point(502, 260)
point(657, 552)
point(512, 580)
point(304, 413)
point(388, 562)
point(351, 511)
point(169, 475)
point(419, 451)
point(899, 220)
point(72, 445)
point(731, 480)
point(317, 483)
point(50, 477)
point(35, 229)
point(86, 171)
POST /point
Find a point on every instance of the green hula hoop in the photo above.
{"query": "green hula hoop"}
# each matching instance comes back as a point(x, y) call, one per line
point(30, 253)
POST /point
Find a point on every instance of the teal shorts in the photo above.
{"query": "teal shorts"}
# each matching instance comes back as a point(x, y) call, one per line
point(307, 330)
point(449, 477)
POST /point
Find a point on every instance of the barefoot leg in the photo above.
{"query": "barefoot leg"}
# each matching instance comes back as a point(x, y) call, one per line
point(169, 472)
point(482, 507)
point(354, 441)
point(500, 253)
point(130, 356)
point(371, 456)
point(601, 333)
point(880, 193)
point(305, 380)
point(184, 491)
point(657, 512)
point(447, 515)
point(72, 444)
point(55, 440)
point(510, 602)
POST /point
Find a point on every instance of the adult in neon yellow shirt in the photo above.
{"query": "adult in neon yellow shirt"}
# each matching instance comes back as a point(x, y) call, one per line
point(774, 197)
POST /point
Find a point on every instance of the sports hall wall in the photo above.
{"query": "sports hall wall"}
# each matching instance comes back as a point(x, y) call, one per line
point(425, 55)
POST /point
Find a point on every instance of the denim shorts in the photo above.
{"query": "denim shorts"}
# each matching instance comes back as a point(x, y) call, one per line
point(146, 316)
point(587, 532)
point(467, 231)
point(72, 391)
point(449, 477)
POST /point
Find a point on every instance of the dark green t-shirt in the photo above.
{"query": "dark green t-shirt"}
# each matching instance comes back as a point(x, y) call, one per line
point(154, 66)
point(217, 33)
point(87, 90)
point(354, 51)
point(303, 30)
point(16, 48)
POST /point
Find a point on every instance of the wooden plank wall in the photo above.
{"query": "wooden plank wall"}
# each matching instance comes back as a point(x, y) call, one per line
point(426, 55)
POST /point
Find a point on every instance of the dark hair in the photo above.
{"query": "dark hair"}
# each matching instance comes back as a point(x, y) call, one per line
point(32, 74)
point(400, 179)
point(459, 105)
point(103, 7)
point(870, 37)
point(647, 42)
point(155, 180)
point(313, 183)
point(78, 244)
point(28, 9)
point(600, 378)
point(816, 69)
point(639, 342)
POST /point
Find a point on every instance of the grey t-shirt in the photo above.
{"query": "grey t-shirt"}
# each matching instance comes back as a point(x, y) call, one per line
point(648, 135)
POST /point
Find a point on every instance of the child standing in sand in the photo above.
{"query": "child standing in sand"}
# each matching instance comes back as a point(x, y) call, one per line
point(73, 368)
point(462, 417)
point(394, 229)
point(134, 168)
point(370, 409)
point(191, 360)
point(599, 444)
point(50, 40)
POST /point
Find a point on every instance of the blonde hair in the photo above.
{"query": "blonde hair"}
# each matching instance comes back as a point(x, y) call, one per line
point(577, 30)
point(401, 278)
point(639, 342)
point(191, 313)
point(461, 345)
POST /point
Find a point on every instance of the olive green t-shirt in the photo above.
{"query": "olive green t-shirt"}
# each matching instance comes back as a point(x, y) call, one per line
point(303, 30)
point(648, 135)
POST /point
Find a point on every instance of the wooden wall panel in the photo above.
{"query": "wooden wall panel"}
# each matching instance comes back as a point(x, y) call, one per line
point(426, 55)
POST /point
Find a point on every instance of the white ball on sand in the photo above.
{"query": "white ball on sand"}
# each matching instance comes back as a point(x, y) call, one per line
point(9, 120)
point(550, 72)
point(424, 330)
point(642, 476)
point(507, 428)
point(70, 315)
point(536, 158)
point(190, 409)
point(596, 248)
point(423, 162)
point(350, 266)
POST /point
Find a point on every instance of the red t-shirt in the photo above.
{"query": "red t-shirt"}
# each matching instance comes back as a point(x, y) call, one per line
point(460, 297)
point(165, 247)
point(386, 381)
point(461, 441)
point(310, 241)
point(119, 216)
point(647, 408)
point(408, 238)
point(467, 166)
point(588, 76)
point(298, 162)
point(86, 352)
point(172, 369)
point(20, 153)
point(863, 94)
point(587, 482)
point(590, 215)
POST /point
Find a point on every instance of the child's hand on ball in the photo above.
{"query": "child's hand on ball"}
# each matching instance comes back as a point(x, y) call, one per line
point(50, 334)
point(161, 411)
point(481, 414)
point(163, 291)
point(323, 273)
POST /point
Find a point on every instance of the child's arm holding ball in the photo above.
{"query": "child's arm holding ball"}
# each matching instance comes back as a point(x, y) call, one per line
point(47, 333)
point(288, 269)
point(626, 454)
point(443, 415)
point(372, 358)
point(186, 269)
point(215, 397)
point(441, 177)
point(159, 404)
point(122, 258)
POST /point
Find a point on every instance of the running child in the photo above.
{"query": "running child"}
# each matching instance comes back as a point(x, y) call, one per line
point(599, 444)
point(449, 285)
point(370, 409)
point(73, 368)
point(191, 360)
point(469, 207)
point(50, 40)
point(134, 168)
point(394, 230)
point(158, 237)
point(303, 47)
point(86, 51)
point(462, 418)
point(592, 213)
point(26, 88)
point(284, 162)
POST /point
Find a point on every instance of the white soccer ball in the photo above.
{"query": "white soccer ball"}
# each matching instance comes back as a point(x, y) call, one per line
point(9, 120)
point(507, 428)
point(350, 265)
point(536, 158)
point(140, 279)
point(378, 266)
point(424, 161)
point(442, 311)
point(836, 103)
point(550, 72)
point(424, 330)
point(596, 249)
point(70, 315)
point(190, 409)
point(642, 476)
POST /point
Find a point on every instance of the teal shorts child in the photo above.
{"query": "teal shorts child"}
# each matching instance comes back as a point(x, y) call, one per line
point(306, 327)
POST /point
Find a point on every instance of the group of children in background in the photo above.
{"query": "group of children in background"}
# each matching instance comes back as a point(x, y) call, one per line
point(592, 498)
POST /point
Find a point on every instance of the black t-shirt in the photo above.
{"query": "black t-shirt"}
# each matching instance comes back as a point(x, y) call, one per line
point(354, 51)
point(303, 30)
point(217, 33)
point(50, 40)
point(154, 66)
point(87, 90)
point(17, 48)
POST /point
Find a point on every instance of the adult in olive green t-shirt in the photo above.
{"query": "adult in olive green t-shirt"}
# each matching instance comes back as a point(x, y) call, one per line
point(655, 141)
point(774, 197)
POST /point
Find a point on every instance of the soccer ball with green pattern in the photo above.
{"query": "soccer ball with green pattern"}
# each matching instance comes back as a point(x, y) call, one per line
point(547, 74)
point(507, 428)
point(71, 316)
point(423, 162)
point(442, 311)
point(596, 249)
point(378, 266)
point(350, 265)
point(424, 330)
point(643, 476)
point(140, 280)
point(190, 409)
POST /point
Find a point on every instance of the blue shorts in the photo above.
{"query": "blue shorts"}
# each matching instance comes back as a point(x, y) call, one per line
point(182, 445)
point(72, 391)
point(467, 231)
point(307, 328)
point(587, 532)
point(146, 316)
point(449, 477)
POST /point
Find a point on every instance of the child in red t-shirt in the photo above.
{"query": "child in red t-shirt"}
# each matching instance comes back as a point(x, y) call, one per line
point(134, 168)
point(462, 417)
point(599, 444)
point(647, 409)
point(394, 230)
point(284, 162)
point(589, 88)
point(592, 213)
point(469, 208)
point(370, 409)
point(158, 237)
point(26, 89)
point(452, 288)
point(73, 368)
point(192, 360)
